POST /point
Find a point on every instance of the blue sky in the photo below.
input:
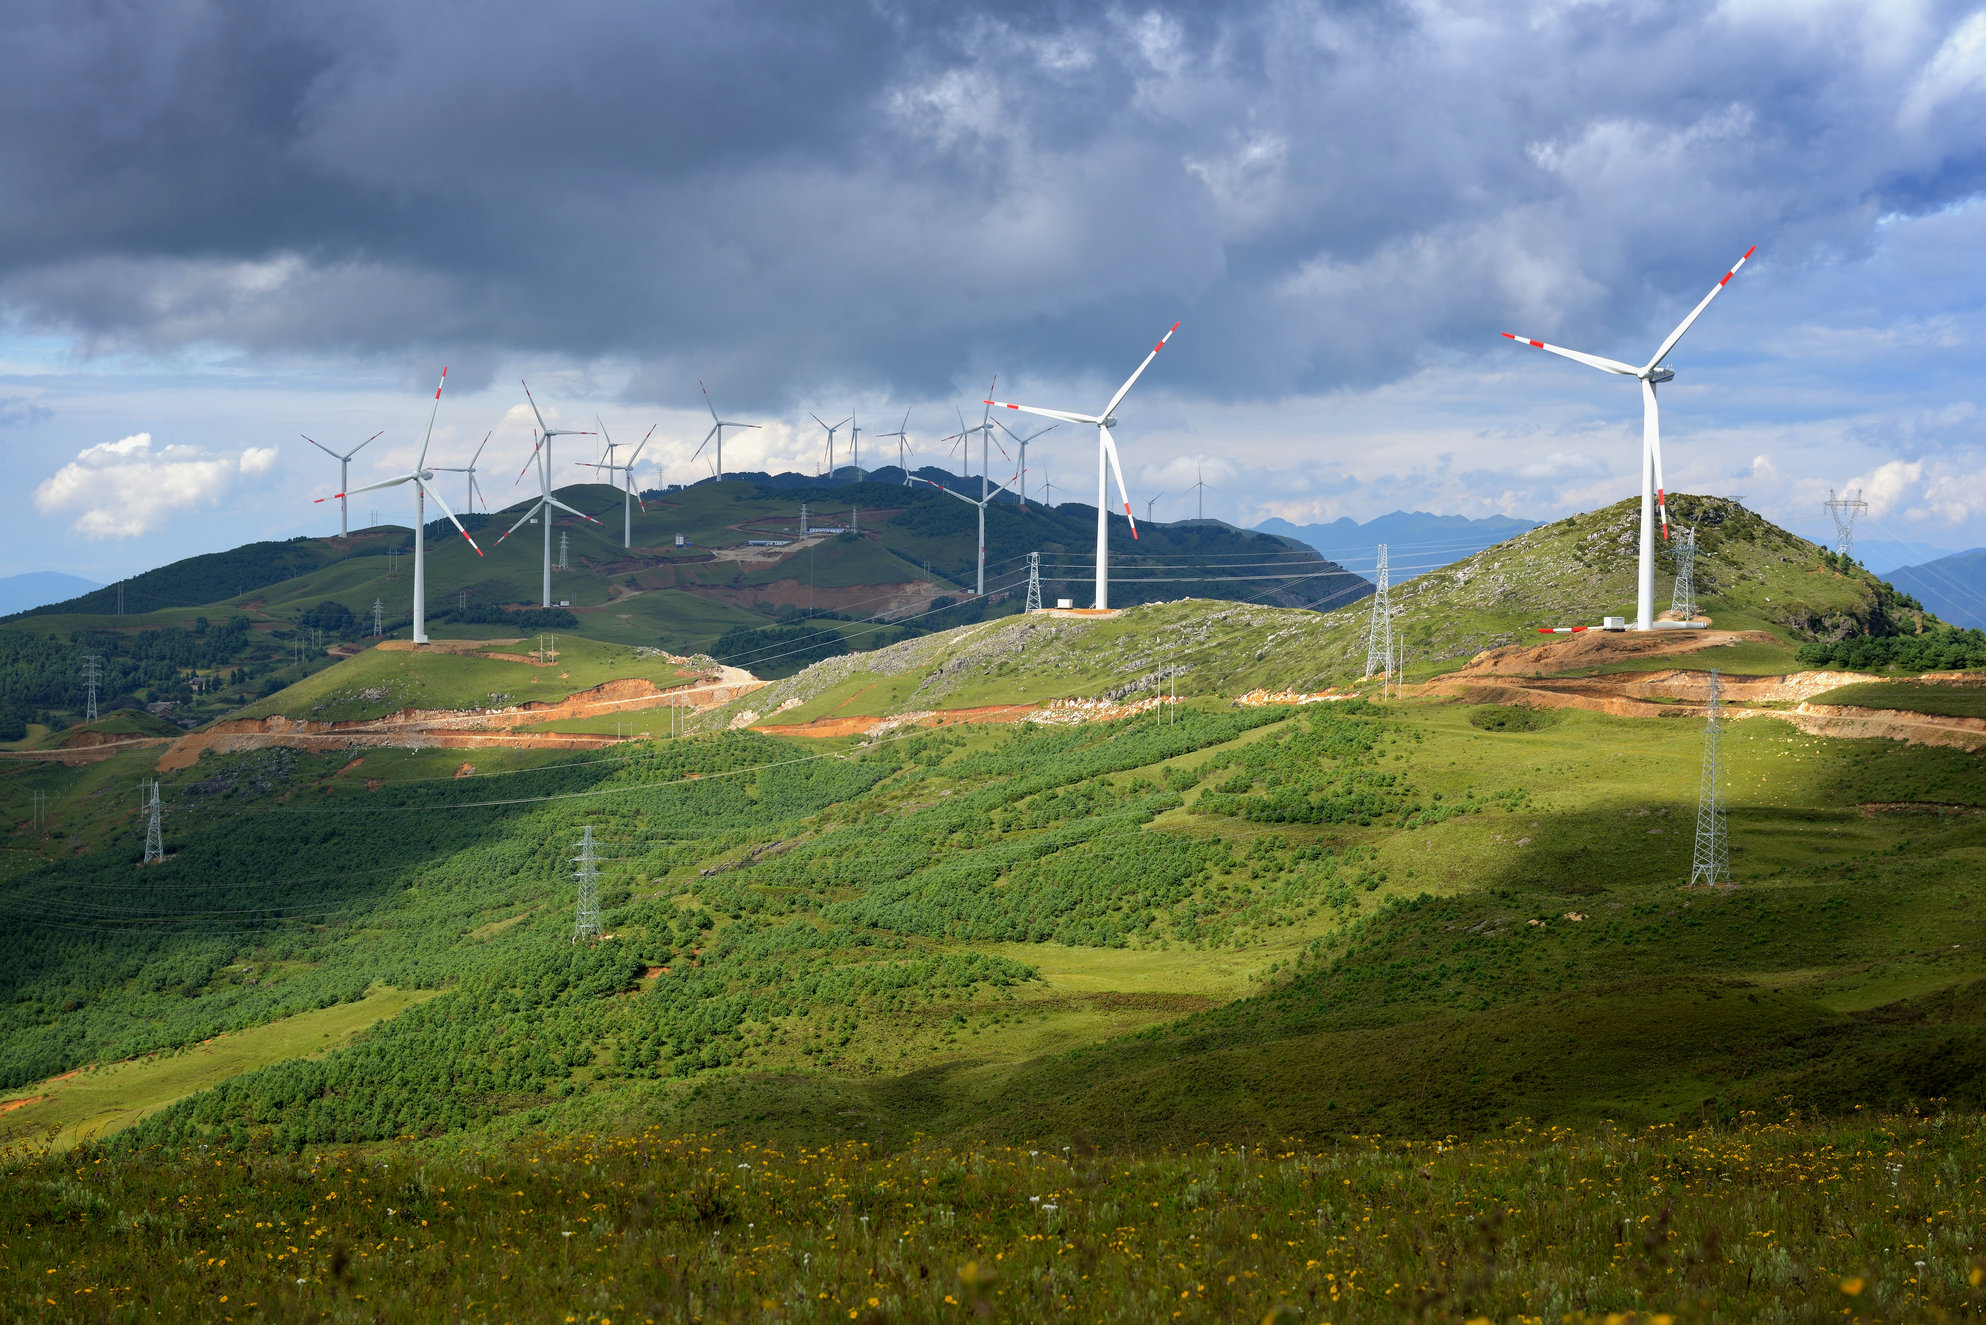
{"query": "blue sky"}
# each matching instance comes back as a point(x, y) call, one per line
point(223, 226)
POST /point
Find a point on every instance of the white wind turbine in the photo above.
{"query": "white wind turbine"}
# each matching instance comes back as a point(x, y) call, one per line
point(344, 471)
point(902, 435)
point(1653, 499)
point(979, 585)
point(420, 478)
point(610, 468)
point(1020, 488)
point(1106, 464)
point(541, 451)
point(717, 427)
point(832, 429)
point(474, 489)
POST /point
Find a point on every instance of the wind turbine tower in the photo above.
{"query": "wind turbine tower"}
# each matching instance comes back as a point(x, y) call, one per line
point(344, 473)
point(1651, 375)
point(1379, 630)
point(1200, 488)
point(420, 478)
point(979, 588)
point(1106, 464)
point(1844, 510)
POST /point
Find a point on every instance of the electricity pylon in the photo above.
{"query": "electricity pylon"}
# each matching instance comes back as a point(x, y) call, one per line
point(92, 673)
point(1844, 510)
point(378, 609)
point(154, 841)
point(1710, 866)
point(1033, 582)
point(1379, 633)
point(1683, 607)
point(587, 925)
point(562, 561)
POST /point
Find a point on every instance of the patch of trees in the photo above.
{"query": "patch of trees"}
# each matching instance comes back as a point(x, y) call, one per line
point(1951, 649)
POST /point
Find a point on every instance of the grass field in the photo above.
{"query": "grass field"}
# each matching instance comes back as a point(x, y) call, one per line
point(1953, 701)
point(101, 1101)
point(381, 681)
point(1776, 1218)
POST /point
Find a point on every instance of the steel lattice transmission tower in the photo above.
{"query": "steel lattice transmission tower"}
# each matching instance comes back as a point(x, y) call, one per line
point(562, 562)
point(378, 616)
point(1844, 510)
point(154, 840)
point(1683, 607)
point(1033, 582)
point(587, 925)
point(1710, 867)
point(92, 673)
point(1379, 634)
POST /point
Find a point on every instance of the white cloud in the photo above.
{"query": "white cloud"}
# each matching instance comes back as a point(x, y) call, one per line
point(1887, 486)
point(1958, 69)
point(126, 488)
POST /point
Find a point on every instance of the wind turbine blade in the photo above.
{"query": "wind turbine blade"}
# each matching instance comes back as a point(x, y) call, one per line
point(1122, 391)
point(435, 497)
point(1117, 469)
point(532, 510)
point(562, 506)
point(476, 493)
point(534, 406)
point(432, 411)
point(919, 478)
point(1652, 428)
point(322, 447)
point(362, 445)
point(706, 441)
point(479, 450)
point(383, 483)
point(1064, 415)
point(1696, 313)
point(1590, 360)
point(536, 446)
point(706, 399)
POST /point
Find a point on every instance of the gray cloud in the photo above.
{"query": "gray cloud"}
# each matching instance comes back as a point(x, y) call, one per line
point(783, 197)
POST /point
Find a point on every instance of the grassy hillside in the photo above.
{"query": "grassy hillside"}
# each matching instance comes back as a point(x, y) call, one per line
point(381, 681)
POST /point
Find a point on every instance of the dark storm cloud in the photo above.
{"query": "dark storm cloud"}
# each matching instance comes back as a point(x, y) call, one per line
point(781, 196)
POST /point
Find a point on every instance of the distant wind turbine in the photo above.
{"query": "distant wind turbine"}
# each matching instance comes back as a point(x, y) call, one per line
point(420, 478)
point(1106, 464)
point(902, 436)
point(1653, 498)
point(473, 489)
point(609, 468)
point(1021, 488)
point(344, 471)
point(1200, 488)
point(717, 427)
point(832, 429)
point(541, 452)
point(1148, 507)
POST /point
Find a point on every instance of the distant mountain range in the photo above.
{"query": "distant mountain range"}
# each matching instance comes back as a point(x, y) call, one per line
point(1416, 541)
point(1954, 587)
point(1883, 555)
point(36, 588)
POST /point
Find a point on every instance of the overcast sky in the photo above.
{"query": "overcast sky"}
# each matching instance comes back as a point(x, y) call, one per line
point(225, 225)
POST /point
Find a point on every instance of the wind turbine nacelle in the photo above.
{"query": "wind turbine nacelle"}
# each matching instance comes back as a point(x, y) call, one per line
point(1661, 375)
point(1110, 422)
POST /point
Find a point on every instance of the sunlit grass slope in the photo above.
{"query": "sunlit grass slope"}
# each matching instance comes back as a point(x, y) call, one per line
point(381, 681)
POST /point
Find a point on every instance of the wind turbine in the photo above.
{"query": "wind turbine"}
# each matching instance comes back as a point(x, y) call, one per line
point(1021, 488)
point(344, 471)
point(541, 452)
point(1653, 498)
point(979, 585)
point(832, 429)
point(627, 506)
point(717, 427)
point(474, 490)
point(1200, 487)
point(1148, 507)
point(855, 447)
point(902, 436)
point(420, 478)
point(1106, 459)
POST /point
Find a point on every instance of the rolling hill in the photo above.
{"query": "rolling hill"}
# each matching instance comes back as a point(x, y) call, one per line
point(1207, 927)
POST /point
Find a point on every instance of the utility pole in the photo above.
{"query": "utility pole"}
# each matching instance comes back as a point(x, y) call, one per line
point(1844, 510)
point(803, 519)
point(154, 842)
point(587, 924)
point(1034, 582)
point(378, 610)
point(1379, 632)
point(1710, 865)
point(92, 673)
point(1683, 608)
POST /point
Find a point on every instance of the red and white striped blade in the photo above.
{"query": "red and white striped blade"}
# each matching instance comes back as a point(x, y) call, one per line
point(1066, 416)
point(1697, 312)
point(1110, 449)
point(1124, 390)
point(1590, 360)
point(435, 497)
point(534, 405)
point(433, 410)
